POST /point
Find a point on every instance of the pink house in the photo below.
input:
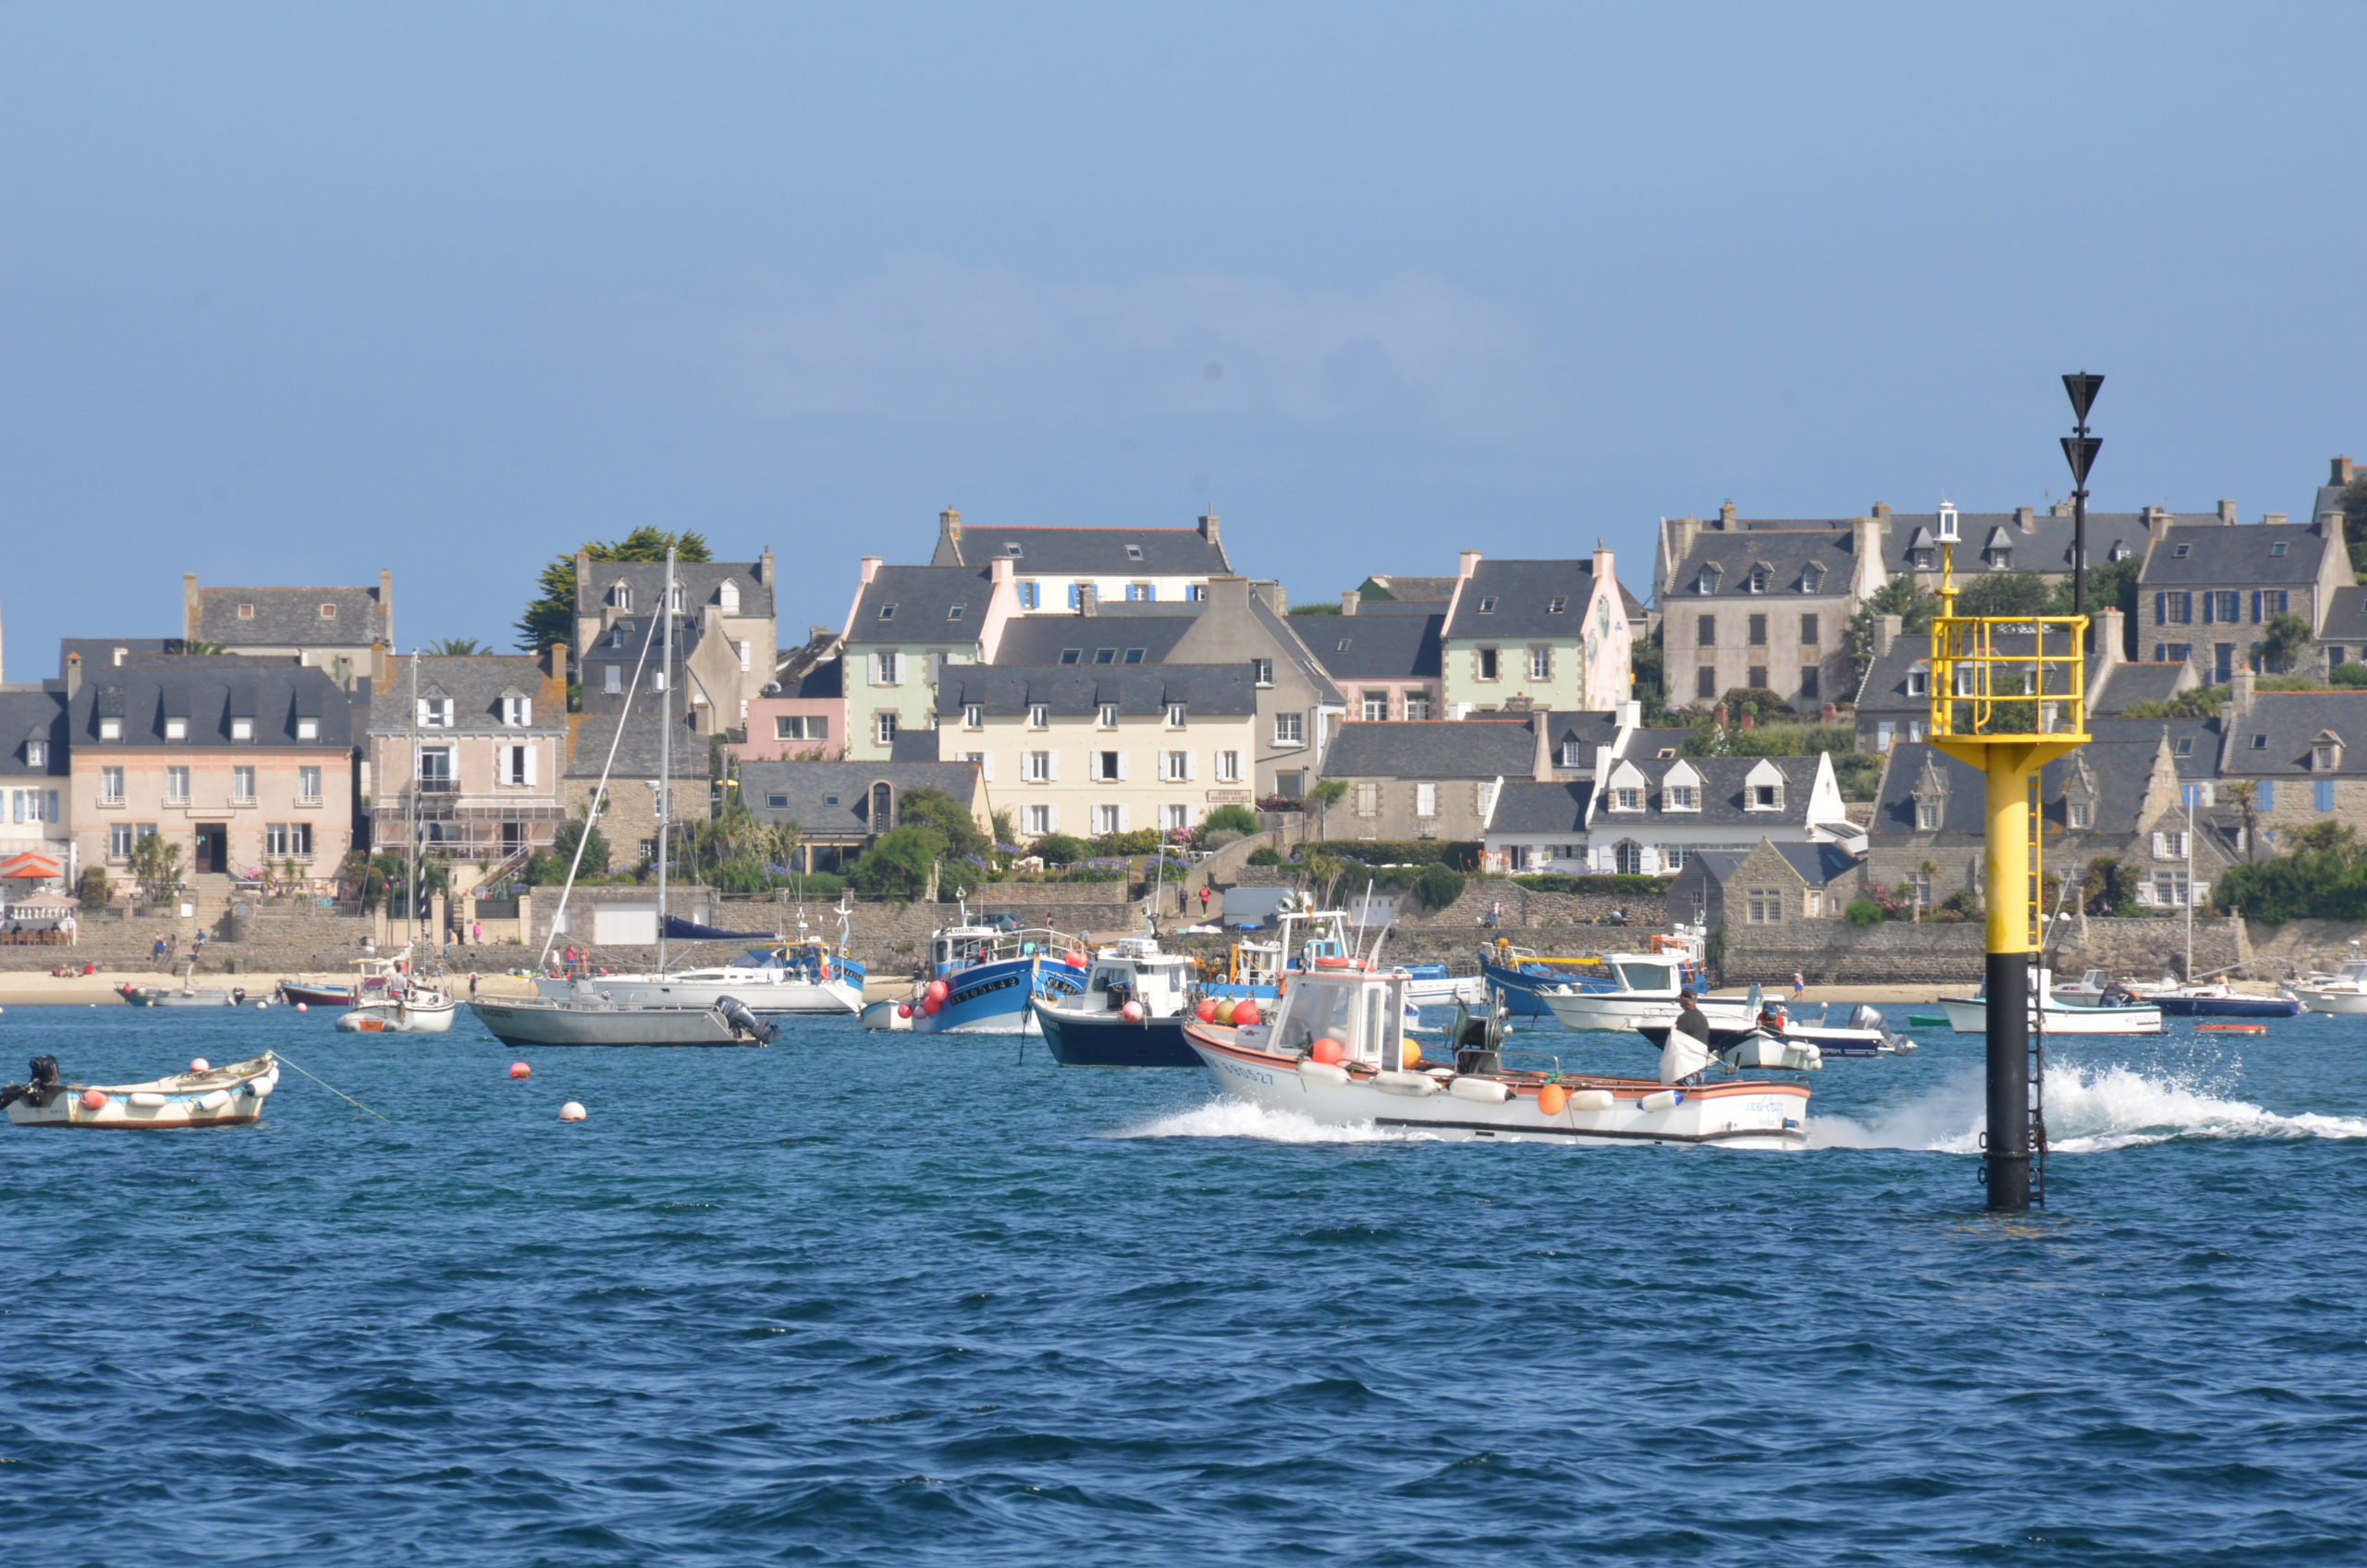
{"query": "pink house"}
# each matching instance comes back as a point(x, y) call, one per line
point(803, 715)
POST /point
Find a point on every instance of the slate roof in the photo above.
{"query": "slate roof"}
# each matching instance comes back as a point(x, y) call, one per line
point(620, 645)
point(2328, 499)
point(37, 714)
point(1646, 745)
point(2045, 547)
point(1786, 553)
point(1216, 689)
point(99, 653)
point(1525, 806)
point(922, 604)
point(1378, 647)
point(637, 753)
point(2136, 683)
point(701, 581)
point(1471, 748)
point(2273, 740)
point(1884, 687)
point(913, 745)
point(476, 684)
point(1432, 591)
point(1721, 794)
point(2120, 757)
point(2346, 616)
point(832, 800)
point(1523, 595)
point(1589, 729)
point(209, 691)
point(1819, 865)
point(2220, 556)
point(285, 617)
point(1091, 552)
point(826, 678)
point(1095, 640)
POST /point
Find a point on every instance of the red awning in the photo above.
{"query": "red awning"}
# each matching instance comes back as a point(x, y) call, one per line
point(29, 867)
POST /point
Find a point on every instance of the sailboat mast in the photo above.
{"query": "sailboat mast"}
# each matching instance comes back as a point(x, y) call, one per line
point(665, 750)
point(419, 767)
point(2189, 791)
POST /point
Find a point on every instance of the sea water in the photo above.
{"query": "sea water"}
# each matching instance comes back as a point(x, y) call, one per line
point(874, 1299)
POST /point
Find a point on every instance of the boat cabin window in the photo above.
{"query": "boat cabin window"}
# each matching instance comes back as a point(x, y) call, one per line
point(1646, 976)
point(2355, 971)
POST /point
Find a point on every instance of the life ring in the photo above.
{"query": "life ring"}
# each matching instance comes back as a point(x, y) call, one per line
point(1329, 961)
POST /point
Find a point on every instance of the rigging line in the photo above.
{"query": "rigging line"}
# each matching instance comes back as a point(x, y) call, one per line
point(599, 796)
point(333, 1089)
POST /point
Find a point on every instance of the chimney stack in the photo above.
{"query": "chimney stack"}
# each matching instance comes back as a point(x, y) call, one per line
point(554, 661)
point(1726, 516)
point(1887, 629)
point(1089, 599)
point(1602, 571)
point(999, 569)
point(2025, 518)
point(1866, 538)
point(765, 567)
point(2345, 471)
point(386, 604)
point(188, 607)
point(73, 675)
point(949, 534)
point(1680, 534)
point(1540, 756)
point(871, 565)
point(2227, 514)
point(1350, 600)
point(2157, 519)
point(1470, 563)
point(2239, 691)
point(2112, 637)
point(1208, 526)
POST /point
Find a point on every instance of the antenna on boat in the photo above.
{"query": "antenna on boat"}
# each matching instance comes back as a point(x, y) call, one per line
point(665, 752)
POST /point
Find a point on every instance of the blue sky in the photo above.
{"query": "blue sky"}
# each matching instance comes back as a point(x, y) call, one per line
point(290, 293)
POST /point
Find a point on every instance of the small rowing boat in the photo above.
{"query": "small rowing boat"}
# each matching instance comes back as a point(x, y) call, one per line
point(219, 1097)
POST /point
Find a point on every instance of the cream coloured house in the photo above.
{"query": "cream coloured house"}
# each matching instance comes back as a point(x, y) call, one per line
point(1089, 751)
point(482, 776)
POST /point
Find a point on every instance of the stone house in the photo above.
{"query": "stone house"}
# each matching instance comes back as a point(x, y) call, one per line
point(1087, 751)
point(2207, 592)
point(1653, 815)
point(908, 623)
point(1539, 822)
point(1524, 634)
point(483, 777)
point(840, 808)
point(1766, 885)
point(1054, 569)
point(1233, 621)
point(705, 672)
point(238, 761)
point(2304, 753)
point(729, 609)
point(1385, 656)
point(35, 779)
point(1419, 780)
point(1763, 604)
point(334, 629)
point(626, 815)
point(2122, 797)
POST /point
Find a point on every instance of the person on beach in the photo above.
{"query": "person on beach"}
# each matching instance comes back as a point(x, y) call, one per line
point(1800, 987)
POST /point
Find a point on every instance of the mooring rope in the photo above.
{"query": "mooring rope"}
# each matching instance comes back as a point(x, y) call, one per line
point(335, 1090)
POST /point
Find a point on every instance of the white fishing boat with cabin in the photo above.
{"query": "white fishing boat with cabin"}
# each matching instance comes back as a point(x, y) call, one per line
point(1969, 1015)
point(1336, 1051)
point(2343, 992)
point(1646, 993)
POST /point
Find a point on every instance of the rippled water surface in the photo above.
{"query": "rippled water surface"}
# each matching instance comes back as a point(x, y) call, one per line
point(868, 1299)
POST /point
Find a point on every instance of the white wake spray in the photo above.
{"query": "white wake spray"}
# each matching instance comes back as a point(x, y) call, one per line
point(1239, 1119)
point(2089, 1110)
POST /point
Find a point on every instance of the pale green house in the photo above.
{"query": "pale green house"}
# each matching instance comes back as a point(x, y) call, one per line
point(1526, 635)
point(906, 624)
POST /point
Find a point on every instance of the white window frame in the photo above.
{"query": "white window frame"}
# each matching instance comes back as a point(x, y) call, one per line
point(1178, 716)
point(1228, 768)
point(176, 786)
point(1039, 767)
point(177, 729)
point(308, 784)
point(1426, 800)
point(1290, 730)
point(1681, 797)
point(973, 715)
point(1109, 717)
point(1039, 716)
point(1541, 663)
point(243, 784)
point(111, 785)
point(883, 725)
point(885, 669)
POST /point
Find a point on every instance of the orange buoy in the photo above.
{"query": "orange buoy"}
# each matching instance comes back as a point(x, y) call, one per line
point(1328, 1049)
point(1073, 957)
point(520, 1070)
point(1413, 1054)
point(2234, 1028)
point(938, 991)
point(1552, 1098)
point(1206, 1011)
point(95, 1099)
point(1245, 1013)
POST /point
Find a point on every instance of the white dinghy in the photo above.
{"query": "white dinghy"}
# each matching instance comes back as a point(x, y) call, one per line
point(220, 1097)
point(1336, 1051)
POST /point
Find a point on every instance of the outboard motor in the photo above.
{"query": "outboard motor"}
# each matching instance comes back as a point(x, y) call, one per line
point(42, 1073)
point(744, 1021)
point(1866, 1015)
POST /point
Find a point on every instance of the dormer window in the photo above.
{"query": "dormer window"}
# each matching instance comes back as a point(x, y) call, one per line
point(1488, 604)
point(1626, 800)
point(727, 598)
point(110, 730)
point(1766, 796)
point(328, 612)
point(2119, 551)
point(1681, 797)
point(1108, 716)
point(177, 729)
point(674, 599)
point(1918, 682)
point(308, 729)
point(1759, 576)
point(1556, 606)
point(2000, 560)
point(246, 612)
point(517, 712)
point(1813, 578)
point(1923, 558)
point(1039, 716)
point(621, 596)
point(243, 729)
point(973, 715)
point(436, 713)
point(36, 753)
point(2326, 751)
point(1707, 582)
point(1175, 715)
point(1573, 755)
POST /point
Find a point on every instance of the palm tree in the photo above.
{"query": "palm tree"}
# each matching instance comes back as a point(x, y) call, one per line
point(1325, 796)
point(1928, 870)
point(456, 648)
point(2245, 795)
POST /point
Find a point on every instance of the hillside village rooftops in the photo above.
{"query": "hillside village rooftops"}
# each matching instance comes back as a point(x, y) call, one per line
point(30, 720)
point(2220, 557)
point(1819, 865)
point(208, 695)
point(101, 653)
point(1468, 749)
point(702, 583)
point(1086, 552)
point(922, 604)
point(1724, 800)
point(1523, 598)
point(2038, 541)
point(2313, 734)
point(477, 683)
point(275, 618)
point(1376, 647)
point(1768, 565)
point(2120, 759)
point(1211, 691)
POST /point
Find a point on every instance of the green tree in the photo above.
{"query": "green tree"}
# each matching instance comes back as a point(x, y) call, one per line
point(1323, 797)
point(91, 889)
point(1437, 887)
point(2286, 641)
point(156, 866)
point(897, 865)
point(1061, 849)
point(1241, 819)
point(1324, 608)
point(1648, 670)
point(191, 648)
point(2110, 586)
point(457, 647)
point(1902, 596)
point(2198, 702)
point(2004, 594)
point(948, 817)
point(550, 616)
point(595, 848)
point(2354, 524)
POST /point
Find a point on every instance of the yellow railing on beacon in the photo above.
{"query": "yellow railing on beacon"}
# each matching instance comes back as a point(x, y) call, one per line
point(2009, 679)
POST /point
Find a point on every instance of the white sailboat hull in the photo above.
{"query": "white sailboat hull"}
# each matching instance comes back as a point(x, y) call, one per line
point(1969, 1015)
point(1621, 1011)
point(765, 992)
point(399, 1017)
point(541, 1021)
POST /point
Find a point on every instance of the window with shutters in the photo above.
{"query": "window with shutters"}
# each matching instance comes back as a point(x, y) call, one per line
point(1228, 768)
point(1368, 799)
point(1177, 819)
point(1041, 819)
point(1627, 858)
point(1759, 632)
point(2169, 888)
point(1705, 634)
point(1809, 627)
point(1174, 768)
point(1035, 767)
point(887, 669)
point(1705, 682)
point(1105, 766)
point(1426, 800)
point(1105, 819)
point(2324, 794)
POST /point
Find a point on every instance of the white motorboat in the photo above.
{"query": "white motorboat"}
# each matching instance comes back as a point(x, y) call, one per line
point(590, 1017)
point(220, 1097)
point(1131, 1013)
point(421, 1007)
point(1969, 1015)
point(2344, 991)
point(1647, 987)
point(1337, 1052)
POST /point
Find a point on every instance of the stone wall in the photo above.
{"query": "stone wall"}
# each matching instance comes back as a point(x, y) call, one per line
point(1835, 952)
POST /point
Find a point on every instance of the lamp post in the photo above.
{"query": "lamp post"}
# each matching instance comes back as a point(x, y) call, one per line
point(2079, 449)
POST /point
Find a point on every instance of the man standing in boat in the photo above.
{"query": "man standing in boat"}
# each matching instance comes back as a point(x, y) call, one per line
point(1688, 1050)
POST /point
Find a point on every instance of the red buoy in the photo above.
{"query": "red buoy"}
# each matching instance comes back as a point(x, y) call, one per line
point(1073, 957)
point(904, 1010)
point(1328, 1049)
point(520, 1070)
point(1132, 1012)
point(95, 1099)
point(1245, 1013)
point(1206, 1011)
point(931, 1005)
point(937, 990)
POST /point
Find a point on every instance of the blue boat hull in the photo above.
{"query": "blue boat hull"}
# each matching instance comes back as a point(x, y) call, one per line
point(1079, 1042)
point(992, 999)
point(2226, 1007)
point(1520, 988)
